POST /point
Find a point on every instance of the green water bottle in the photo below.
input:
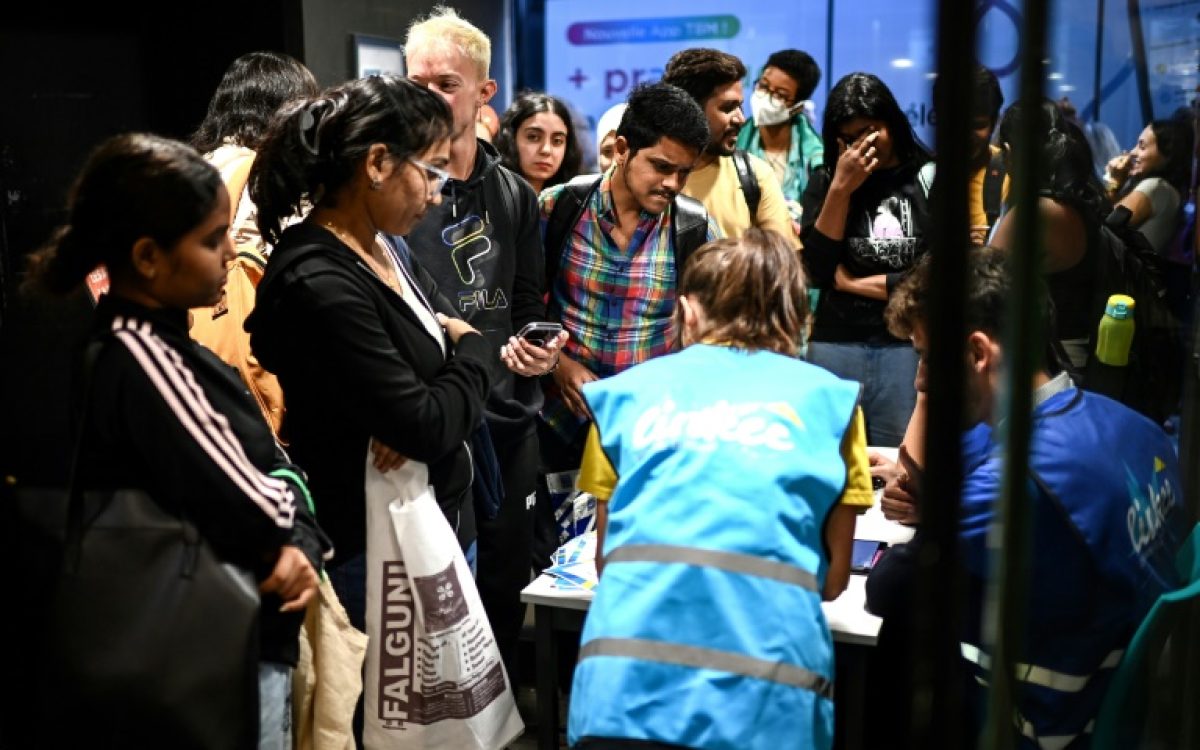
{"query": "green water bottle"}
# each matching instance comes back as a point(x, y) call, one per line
point(1116, 331)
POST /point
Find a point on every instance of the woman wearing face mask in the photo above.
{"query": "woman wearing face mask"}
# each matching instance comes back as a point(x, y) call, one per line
point(345, 320)
point(537, 141)
point(866, 217)
point(780, 133)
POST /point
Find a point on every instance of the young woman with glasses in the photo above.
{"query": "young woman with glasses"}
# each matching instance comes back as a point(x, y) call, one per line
point(347, 321)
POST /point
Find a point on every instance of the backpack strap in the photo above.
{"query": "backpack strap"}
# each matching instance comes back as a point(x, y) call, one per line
point(993, 187)
point(689, 230)
point(748, 181)
point(508, 192)
point(563, 218)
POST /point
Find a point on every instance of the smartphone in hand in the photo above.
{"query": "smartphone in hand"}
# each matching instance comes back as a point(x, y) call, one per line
point(539, 333)
point(864, 555)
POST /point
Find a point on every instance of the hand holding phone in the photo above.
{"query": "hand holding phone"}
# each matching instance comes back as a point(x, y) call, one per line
point(539, 333)
point(534, 351)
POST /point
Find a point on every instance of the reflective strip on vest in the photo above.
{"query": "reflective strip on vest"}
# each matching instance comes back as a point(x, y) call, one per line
point(1040, 676)
point(707, 658)
point(730, 562)
point(1054, 741)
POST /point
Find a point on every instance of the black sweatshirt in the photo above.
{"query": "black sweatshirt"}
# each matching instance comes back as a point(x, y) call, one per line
point(488, 265)
point(355, 362)
point(886, 233)
point(171, 418)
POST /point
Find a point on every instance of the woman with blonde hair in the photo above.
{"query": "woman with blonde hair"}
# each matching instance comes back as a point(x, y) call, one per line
point(729, 476)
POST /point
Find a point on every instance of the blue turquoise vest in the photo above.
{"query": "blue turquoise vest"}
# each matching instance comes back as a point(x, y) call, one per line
point(1108, 519)
point(707, 630)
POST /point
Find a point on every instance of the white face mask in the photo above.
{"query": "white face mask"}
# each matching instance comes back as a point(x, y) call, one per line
point(768, 110)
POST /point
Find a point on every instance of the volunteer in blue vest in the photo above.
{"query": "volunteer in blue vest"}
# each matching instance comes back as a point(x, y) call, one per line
point(730, 475)
point(1106, 513)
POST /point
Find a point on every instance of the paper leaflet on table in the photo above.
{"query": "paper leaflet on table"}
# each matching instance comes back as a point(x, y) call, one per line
point(573, 565)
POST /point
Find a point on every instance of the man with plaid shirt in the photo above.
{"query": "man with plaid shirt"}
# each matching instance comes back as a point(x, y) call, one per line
point(613, 276)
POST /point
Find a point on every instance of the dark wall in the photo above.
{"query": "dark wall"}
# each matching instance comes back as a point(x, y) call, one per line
point(71, 79)
point(329, 24)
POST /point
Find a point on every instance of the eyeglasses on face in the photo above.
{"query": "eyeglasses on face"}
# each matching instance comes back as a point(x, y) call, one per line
point(780, 96)
point(435, 176)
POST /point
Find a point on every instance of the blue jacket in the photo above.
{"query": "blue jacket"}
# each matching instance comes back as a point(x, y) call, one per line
point(707, 629)
point(1107, 520)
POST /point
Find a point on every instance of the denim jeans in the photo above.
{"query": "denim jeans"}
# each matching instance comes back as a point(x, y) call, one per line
point(886, 372)
point(274, 706)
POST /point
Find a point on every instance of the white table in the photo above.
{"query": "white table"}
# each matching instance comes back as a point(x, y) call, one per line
point(561, 610)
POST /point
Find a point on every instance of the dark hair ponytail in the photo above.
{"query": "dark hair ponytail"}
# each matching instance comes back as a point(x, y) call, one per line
point(315, 146)
point(132, 186)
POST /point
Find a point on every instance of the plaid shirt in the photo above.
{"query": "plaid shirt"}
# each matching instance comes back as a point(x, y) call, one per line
point(616, 304)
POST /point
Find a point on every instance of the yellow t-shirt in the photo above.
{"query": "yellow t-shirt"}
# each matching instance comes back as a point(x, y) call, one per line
point(978, 215)
point(718, 188)
point(598, 476)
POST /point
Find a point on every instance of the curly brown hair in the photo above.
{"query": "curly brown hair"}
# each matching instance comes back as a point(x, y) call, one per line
point(988, 291)
point(752, 290)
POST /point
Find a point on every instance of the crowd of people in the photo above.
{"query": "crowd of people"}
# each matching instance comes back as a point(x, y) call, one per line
point(737, 307)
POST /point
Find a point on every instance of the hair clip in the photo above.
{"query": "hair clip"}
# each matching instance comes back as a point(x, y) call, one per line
point(308, 121)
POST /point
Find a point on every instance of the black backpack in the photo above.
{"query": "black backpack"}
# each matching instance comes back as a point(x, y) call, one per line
point(689, 225)
point(1126, 263)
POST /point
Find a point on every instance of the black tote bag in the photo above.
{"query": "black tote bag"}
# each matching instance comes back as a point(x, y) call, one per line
point(151, 640)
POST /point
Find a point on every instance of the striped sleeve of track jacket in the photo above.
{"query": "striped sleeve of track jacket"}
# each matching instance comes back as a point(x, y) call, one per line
point(191, 447)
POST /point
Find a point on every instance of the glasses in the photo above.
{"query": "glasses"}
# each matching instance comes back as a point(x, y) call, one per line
point(781, 97)
point(436, 177)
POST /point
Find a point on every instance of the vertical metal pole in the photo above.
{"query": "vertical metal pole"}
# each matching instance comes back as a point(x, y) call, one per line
point(936, 695)
point(828, 48)
point(1023, 346)
point(1137, 37)
point(1098, 69)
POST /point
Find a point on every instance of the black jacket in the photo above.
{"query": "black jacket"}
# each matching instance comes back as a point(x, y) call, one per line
point(483, 246)
point(169, 417)
point(355, 362)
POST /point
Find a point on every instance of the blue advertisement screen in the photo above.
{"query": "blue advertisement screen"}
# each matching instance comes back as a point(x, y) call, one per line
point(597, 52)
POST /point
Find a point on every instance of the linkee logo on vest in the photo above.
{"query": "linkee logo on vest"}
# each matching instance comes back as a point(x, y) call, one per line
point(1148, 509)
point(754, 424)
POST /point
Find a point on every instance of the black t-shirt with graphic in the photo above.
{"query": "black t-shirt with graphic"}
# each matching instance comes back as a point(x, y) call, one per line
point(886, 233)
